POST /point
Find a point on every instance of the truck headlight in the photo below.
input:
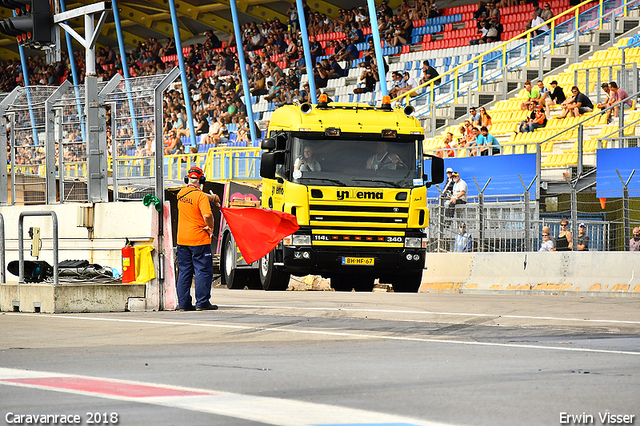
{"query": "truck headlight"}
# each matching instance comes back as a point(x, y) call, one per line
point(413, 242)
point(301, 240)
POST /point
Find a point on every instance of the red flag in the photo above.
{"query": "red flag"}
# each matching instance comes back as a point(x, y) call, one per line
point(258, 231)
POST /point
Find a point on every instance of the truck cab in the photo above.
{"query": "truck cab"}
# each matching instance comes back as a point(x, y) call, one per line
point(355, 177)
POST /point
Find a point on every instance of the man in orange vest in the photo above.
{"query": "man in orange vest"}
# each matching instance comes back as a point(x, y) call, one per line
point(195, 228)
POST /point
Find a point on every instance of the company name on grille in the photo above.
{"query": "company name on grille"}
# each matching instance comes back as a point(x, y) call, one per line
point(360, 195)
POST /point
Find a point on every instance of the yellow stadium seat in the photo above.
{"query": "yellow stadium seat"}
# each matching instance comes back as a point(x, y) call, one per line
point(507, 150)
point(519, 149)
point(532, 149)
point(547, 147)
point(549, 160)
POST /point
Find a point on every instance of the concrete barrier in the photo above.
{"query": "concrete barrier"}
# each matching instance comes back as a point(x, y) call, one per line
point(571, 272)
point(113, 223)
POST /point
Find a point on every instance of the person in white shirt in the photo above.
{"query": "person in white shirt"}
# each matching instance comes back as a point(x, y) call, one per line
point(410, 82)
point(537, 20)
point(459, 195)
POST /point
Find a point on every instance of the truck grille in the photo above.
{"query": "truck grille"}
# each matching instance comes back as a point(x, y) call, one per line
point(357, 225)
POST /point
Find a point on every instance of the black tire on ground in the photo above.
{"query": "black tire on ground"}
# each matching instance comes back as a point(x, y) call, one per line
point(273, 278)
point(349, 282)
point(407, 283)
point(232, 277)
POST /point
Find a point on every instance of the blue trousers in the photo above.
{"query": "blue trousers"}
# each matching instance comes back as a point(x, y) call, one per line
point(198, 260)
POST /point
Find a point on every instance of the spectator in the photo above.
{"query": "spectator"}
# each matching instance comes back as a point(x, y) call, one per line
point(618, 97)
point(543, 92)
point(429, 73)
point(634, 242)
point(398, 84)
point(485, 119)
point(582, 240)
point(487, 143)
point(607, 97)
point(536, 20)
point(538, 120)
point(447, 144)
point(576, 105)
point(547, 241)
point(410, 84)
point(564, 240)
point(335, 70)
point(475, 117)
point(546, 12)
point(555, 97)
point(463, 240)
point(369, 78)
point(483, 31)
point(448, 185)
point(531, 95)
point(459, 195)
point(174, 145)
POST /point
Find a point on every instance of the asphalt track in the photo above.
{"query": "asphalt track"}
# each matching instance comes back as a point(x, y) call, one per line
point(327, 358)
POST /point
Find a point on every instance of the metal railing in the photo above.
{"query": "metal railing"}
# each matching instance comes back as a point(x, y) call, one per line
point(497, 61)
point(54, 219)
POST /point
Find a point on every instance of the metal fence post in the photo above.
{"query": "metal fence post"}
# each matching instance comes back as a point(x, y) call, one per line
point(527, 213)
point(574, 211)
point(625, 208)
point(576, 46)
point(580, 148)
point(481, 213)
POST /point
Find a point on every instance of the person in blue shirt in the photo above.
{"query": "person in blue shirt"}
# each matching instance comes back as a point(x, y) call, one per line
point(487, 142)
point(463, 240)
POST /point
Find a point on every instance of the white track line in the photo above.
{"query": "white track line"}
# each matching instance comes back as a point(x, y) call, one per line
point(331, 333)
point(463, 314)
point(275, 411)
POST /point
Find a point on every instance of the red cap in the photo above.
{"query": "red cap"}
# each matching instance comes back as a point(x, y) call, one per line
point(195, 173)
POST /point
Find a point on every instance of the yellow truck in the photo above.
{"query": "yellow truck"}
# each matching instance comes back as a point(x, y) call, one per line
point(354, 177)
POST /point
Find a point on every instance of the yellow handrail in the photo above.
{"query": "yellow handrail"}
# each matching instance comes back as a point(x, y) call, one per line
point(503, 46)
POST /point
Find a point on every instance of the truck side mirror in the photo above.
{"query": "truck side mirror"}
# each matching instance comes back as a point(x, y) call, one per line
point(437, 171)
point(268, 144)
point(268, 163)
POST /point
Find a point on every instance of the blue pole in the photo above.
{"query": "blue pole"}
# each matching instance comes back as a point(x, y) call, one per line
point(74, 76)
point(125, 72)
point(382, 75)
point(183, 71)
point(307, 52)
point(25, 76)
point(243, 70)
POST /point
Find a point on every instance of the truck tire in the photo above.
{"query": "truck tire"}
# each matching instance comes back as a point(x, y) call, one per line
point(407, 283)
point(352, 282)
point(272, 277)
point(234, 278)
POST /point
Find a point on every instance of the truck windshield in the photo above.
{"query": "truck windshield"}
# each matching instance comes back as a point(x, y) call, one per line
point(355, 163)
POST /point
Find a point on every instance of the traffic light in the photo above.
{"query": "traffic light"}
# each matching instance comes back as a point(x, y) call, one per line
point(32, 24)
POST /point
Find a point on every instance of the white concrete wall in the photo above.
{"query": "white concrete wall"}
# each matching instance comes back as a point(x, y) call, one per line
point(615, 272)
point(113, 224)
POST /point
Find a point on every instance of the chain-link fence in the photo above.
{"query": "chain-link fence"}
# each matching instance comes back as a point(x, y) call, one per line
point(27, 144)
point(504, 224)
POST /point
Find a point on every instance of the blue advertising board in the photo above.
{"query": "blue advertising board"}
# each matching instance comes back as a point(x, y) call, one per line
point(502, 169)
point(624, 160)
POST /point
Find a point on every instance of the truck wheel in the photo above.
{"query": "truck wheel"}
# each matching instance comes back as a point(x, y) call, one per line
point(349, 282)
point(407, 283)
point(272, 277)
point(234, 278)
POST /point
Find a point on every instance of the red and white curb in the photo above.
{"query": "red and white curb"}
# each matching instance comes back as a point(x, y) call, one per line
point(267, 410)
